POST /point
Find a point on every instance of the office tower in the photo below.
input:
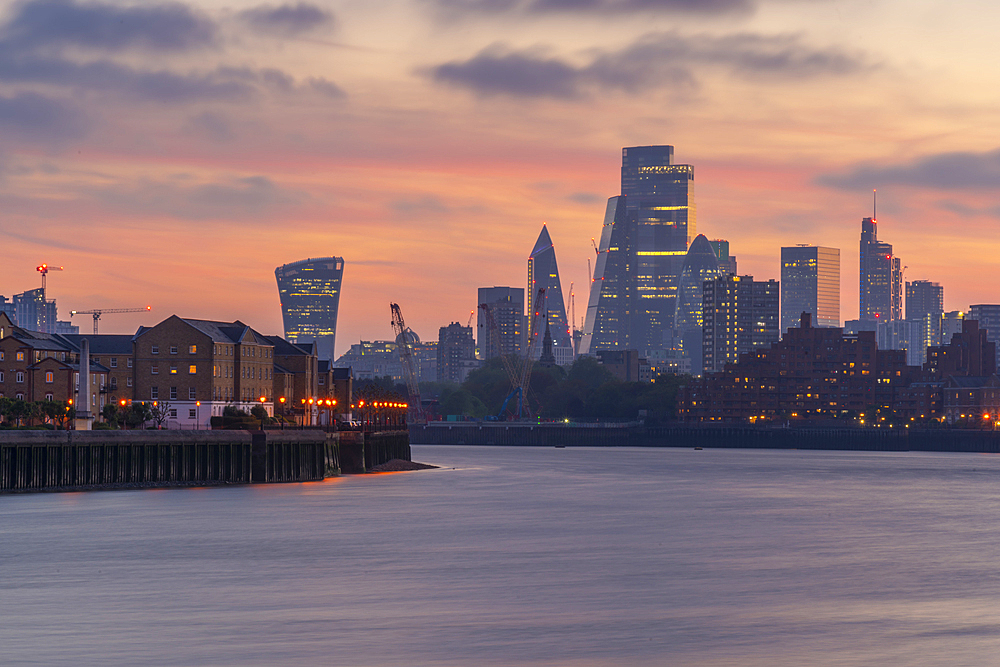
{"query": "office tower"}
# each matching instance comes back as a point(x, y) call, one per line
point(739, 314)
point(881, 277)
point(34, 312)
point(543, 272)
point(810, 283)
point(456, 353)
point(310, 296)
point(951, 324)
point(507, 306)
point(644, 240)
point(7, 306)
point(924, 307)
point(988, 316)
point(700, 264)
point(727, 262)
point(902, 335)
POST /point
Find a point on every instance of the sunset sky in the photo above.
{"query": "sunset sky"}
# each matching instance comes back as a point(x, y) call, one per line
point(174, 154)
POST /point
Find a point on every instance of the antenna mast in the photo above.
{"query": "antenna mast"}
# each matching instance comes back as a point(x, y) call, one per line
point(874, 204)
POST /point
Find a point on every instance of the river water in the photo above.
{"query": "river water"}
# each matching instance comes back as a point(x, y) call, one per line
point(522, 556)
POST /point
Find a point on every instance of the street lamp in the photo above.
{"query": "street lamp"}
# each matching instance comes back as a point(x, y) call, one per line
point(197, 414)
point(264, 415)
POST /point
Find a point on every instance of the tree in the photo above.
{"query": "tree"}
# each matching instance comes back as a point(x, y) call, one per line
point(137, 414)
point(159, 413)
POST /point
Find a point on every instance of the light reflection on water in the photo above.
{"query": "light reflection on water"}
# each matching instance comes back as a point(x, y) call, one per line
point(510, 556)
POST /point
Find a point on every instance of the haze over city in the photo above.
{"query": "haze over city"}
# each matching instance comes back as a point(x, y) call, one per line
point(174, 154)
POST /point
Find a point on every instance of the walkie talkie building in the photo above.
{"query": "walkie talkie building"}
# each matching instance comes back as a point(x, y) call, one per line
point(310, 296)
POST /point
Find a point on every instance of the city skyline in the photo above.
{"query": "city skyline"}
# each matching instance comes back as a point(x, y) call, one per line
point(207, 144)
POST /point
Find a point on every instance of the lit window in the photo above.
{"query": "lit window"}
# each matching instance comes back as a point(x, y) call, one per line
point(49, 377)
point(154, 370)
point(173, 369)
point(193, 349)
point(20, 356)
point(192, 369)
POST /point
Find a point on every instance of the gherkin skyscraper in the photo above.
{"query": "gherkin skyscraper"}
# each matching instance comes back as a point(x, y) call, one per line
point(310, 297)
point(644, 241)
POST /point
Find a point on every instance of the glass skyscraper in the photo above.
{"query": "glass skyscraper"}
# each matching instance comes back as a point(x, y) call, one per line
point(881, 279)
point(644, 241)
point(810, 283)
point(544, 272)
point(700, 264)
point(310, 296)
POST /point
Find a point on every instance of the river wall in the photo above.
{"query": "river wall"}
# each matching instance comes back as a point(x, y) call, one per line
point(708, 436)
point(77, 460)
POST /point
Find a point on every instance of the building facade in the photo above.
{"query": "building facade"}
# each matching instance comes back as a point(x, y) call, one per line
point(310, 298)
point(644, 240)
point(506, 306)
point(988, 316)
point(810, 283)
point(739, 314)
point(700, 265)
point(456, 353)
point(924, 309)
point(881, 277)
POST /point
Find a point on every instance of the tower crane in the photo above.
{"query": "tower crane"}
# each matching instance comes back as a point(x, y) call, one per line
point(97, 312)
point(415, 410)
point(44, 270)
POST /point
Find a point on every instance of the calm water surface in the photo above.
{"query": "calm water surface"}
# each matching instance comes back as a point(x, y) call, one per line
point(510, 556)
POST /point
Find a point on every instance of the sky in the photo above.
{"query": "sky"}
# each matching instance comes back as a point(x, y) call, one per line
point(173, 154)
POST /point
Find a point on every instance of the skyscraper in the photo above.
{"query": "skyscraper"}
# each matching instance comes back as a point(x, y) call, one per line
point(924, 308)
point(810, 283)
point(988, 316)
point(456, 353)
point(310, 296)
point(881, 278)
point(33, 311)
point(543, 272)
point(507, 306)
point(700, 264)
point(739, 314)
point(644, 240)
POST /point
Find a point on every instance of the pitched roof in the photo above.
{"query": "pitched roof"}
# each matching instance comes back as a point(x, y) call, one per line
point(103, 343)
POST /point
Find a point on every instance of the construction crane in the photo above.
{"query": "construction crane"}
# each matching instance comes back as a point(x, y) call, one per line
point(98, 312)
point(519, 377)
point(471, 313)
point(414, 409)
point(44, 270)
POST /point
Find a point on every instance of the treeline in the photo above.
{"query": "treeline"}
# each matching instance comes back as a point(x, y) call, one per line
point(586, 391)
point(19, 413)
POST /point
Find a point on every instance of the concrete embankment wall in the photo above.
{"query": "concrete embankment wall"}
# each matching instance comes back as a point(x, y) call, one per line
point(712, 436)
point(67, 460)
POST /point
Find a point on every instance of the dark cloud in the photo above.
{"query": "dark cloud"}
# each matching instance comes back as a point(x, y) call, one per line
point(287, 19)
point(213, 126)
point(945, 171)
point(254, 197)
point(653, 60)
point(702, 7)
point(493, 72)
point(40, 120)
point(107, 27)
point(324, 87)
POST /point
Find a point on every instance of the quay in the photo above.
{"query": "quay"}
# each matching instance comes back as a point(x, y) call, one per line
point(82, 460)
point(635, 434)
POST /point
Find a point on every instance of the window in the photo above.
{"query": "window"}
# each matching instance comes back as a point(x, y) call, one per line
point(322, 381)
point(173, 369)
point(193, 413)
point(192, 369)
point(20, 356)
point(1, 355)
point(114, 383)
point(173, 349)
point(154, 370)
point(48, 397)
point(96, 360)
point(19, 396)
point(155, 349)
point(49, 377)
point(1, 376)
point(192, 394)
point(114, 362)
point(19, 377)
point(128, 382)
point(193, 349)
point(128, 362)
point(173, 393)
point(63, 356)
point(154, 393)
point(173, 413)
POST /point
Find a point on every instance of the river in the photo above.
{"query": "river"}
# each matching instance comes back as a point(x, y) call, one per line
point(522, 556)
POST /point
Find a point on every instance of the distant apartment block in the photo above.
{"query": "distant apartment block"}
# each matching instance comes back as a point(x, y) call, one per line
point(739, 314)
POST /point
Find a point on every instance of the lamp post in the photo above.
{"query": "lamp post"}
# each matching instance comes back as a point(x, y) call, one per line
point(264, 415)
point(282, 402)
point(197, 415)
